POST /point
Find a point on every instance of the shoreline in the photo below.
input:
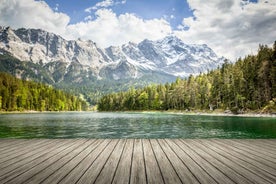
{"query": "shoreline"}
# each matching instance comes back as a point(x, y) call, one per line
point(228, 115)
point(192, 113)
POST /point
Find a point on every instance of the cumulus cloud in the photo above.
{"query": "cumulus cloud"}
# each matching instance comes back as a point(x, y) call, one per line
point(111, 29)
point(233, 28)
point(32, 14)
point(104, 4)
point(105, 27)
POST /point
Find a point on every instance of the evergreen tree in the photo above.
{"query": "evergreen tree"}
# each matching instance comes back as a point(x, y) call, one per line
point(250, 83)
point(19, 95)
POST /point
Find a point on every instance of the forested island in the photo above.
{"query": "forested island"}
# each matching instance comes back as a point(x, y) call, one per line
point(21, 95)
point(246, 85)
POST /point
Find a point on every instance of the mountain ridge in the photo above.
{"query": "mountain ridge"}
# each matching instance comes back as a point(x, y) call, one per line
point(83, 68)
point(169, 55)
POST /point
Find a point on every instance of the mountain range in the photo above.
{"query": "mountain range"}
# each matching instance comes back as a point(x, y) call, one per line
point(47, 57)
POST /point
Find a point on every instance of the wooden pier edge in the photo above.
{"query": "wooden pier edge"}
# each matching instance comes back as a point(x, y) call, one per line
point(137, 161)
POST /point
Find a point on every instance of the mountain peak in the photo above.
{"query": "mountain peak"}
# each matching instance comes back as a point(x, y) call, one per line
point(171, 38)
point(168, 56)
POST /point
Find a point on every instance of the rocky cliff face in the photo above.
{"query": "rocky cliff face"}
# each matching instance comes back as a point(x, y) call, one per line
point(78, 60)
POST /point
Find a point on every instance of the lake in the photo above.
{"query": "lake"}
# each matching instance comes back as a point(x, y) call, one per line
point(133, 125)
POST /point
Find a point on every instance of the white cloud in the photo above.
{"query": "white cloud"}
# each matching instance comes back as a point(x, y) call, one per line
point(233, 28)
point(109, 29)
point(32, 14)
point(104, 4)
point(105, 27)
point(88, 18)
point(56, 7)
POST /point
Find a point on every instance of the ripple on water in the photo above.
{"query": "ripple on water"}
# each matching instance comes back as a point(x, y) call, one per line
point(133, 125)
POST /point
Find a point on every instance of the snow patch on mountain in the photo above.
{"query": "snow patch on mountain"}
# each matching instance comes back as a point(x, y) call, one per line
point(169, 55)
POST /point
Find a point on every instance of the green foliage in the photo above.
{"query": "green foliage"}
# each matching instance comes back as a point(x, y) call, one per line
point(19, 95)
point(74, 79)
point(249, 84)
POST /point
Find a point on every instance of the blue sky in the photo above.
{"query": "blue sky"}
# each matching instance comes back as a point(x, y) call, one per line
point(172, 10)
point(232, 28)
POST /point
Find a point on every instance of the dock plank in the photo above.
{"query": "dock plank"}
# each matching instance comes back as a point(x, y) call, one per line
point(30, 161)
point(153, 172)
point(14, 151)
point(131, 161)
point(253, 149)
point(194, 166)
point(182, 170)
point(38, 178)
point(57, 175)
point(20, 156)
point(94, 170)
point(226, 174)
point(10, 143)
point(168, 171)
point(74, 175)
point(243, 171)
point(111, 164)
point(262, 146)
point(257, 161)
point(122, 175)
point(249, 165)
point(21, 178)
point(138, 168)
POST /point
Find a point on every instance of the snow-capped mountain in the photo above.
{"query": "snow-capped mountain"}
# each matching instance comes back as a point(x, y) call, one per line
point(75, 60)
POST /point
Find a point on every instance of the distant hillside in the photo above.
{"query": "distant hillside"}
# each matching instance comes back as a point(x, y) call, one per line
point(21, 95)
point(249, 84)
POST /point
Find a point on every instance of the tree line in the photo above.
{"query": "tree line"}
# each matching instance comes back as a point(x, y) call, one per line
point(247, 84)
point(21, 95)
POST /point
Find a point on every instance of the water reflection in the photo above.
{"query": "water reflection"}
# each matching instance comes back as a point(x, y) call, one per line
point(133, 125)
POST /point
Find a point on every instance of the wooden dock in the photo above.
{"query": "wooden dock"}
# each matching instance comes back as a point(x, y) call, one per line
point(137, 161)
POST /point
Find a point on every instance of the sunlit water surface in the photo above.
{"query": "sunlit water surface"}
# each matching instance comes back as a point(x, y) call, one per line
point(133, 125)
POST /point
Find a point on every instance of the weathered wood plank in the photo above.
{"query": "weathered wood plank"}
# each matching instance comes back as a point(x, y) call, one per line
point(252, 150)
point(57, 175)
point(138, 168)
point(153, 172)
point(182, 170)
point(214, 168)
point(21, 143)
point(94, 170)
point(22, 155)
point(9, 143)
point(257, 161)
point(39, 177)
point(262, 146)
point(122, 175)
point(46, 163)
point(110, 166)
point(168, 172)
point(195, 163)
point(137, 161)
point(253, 178)
point(25, 164)
point(270, 141)
point(21, 149)
point(30, 161)
point(74, 175)
point(249, 165)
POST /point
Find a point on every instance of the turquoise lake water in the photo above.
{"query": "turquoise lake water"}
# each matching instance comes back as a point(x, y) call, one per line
point(133, 125)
